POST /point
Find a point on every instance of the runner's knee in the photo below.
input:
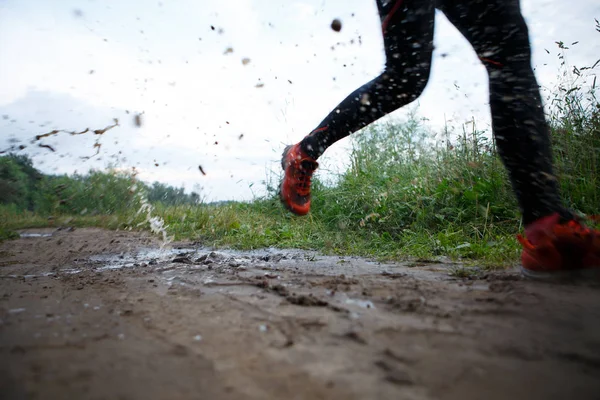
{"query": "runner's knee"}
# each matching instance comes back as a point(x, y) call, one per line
point(510, 49)
point(407, 83)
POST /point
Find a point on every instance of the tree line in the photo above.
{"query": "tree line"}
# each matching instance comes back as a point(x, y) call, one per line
point(24, 187)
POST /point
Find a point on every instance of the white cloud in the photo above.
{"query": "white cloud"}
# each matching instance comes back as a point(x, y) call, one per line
point(165, 60)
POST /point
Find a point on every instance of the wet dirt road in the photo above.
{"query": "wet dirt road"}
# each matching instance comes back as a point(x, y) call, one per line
point(92, 314)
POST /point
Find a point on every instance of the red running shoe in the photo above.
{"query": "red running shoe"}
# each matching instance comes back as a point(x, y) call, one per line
point(295, 187)
point(557, 250)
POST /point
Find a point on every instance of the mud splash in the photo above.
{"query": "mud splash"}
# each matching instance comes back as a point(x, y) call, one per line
point(34, 235)
point(269, 258)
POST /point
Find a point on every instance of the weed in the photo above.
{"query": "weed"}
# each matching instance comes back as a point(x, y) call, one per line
point(408, 193)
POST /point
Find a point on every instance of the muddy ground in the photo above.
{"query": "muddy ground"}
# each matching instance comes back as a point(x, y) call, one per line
point(92, 314)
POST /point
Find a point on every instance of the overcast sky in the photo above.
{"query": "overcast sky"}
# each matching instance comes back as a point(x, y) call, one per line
point(181, 63)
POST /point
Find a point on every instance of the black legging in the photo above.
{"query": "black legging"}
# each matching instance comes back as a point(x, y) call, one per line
point(498, 33)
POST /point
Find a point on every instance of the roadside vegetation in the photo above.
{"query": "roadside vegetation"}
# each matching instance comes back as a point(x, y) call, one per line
point(408, 193)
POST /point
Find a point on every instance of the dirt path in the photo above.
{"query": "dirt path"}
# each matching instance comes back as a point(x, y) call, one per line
point(91, 314)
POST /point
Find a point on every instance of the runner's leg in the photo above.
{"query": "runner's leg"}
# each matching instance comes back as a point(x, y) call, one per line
point(407, 27)
point(498, 33)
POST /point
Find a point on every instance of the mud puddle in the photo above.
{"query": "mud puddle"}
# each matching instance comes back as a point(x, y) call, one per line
point(35, 235)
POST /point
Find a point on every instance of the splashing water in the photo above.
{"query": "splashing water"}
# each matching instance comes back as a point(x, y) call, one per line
point(157, 224)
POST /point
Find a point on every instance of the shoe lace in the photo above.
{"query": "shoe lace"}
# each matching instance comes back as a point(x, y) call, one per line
point(572, 228)
point(303, 174)
point(572, 232)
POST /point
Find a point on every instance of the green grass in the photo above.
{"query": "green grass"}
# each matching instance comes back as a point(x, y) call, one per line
point(449, 200)
point(408, 194)
point(6, 234)
point(12, 219)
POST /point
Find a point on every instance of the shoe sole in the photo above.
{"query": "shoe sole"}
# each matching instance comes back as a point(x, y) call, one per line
point(586, 273)
point(284, 203)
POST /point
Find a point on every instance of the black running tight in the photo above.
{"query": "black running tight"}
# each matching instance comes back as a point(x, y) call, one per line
point(498, 33)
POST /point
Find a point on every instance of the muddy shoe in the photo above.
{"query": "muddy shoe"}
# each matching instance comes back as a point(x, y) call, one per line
point(553, 249)
point(295, 187)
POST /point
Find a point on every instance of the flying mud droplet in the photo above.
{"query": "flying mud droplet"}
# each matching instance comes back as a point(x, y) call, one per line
point(220, 31)
point(97, 144)
point(13, 148)
point(138, 120)
point(336, 25)
point(201, 170)
point(228, 50)
point(245, 61)
point(77, 13)
point(54, 132)
point(259, 85)
point(241, 136)
point(47, 146)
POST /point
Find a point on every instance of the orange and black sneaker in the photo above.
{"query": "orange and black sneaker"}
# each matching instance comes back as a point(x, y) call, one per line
point(295, 187)
point(555, 249)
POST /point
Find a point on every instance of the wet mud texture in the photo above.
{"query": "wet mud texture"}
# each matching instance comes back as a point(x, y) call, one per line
point(92, 314)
